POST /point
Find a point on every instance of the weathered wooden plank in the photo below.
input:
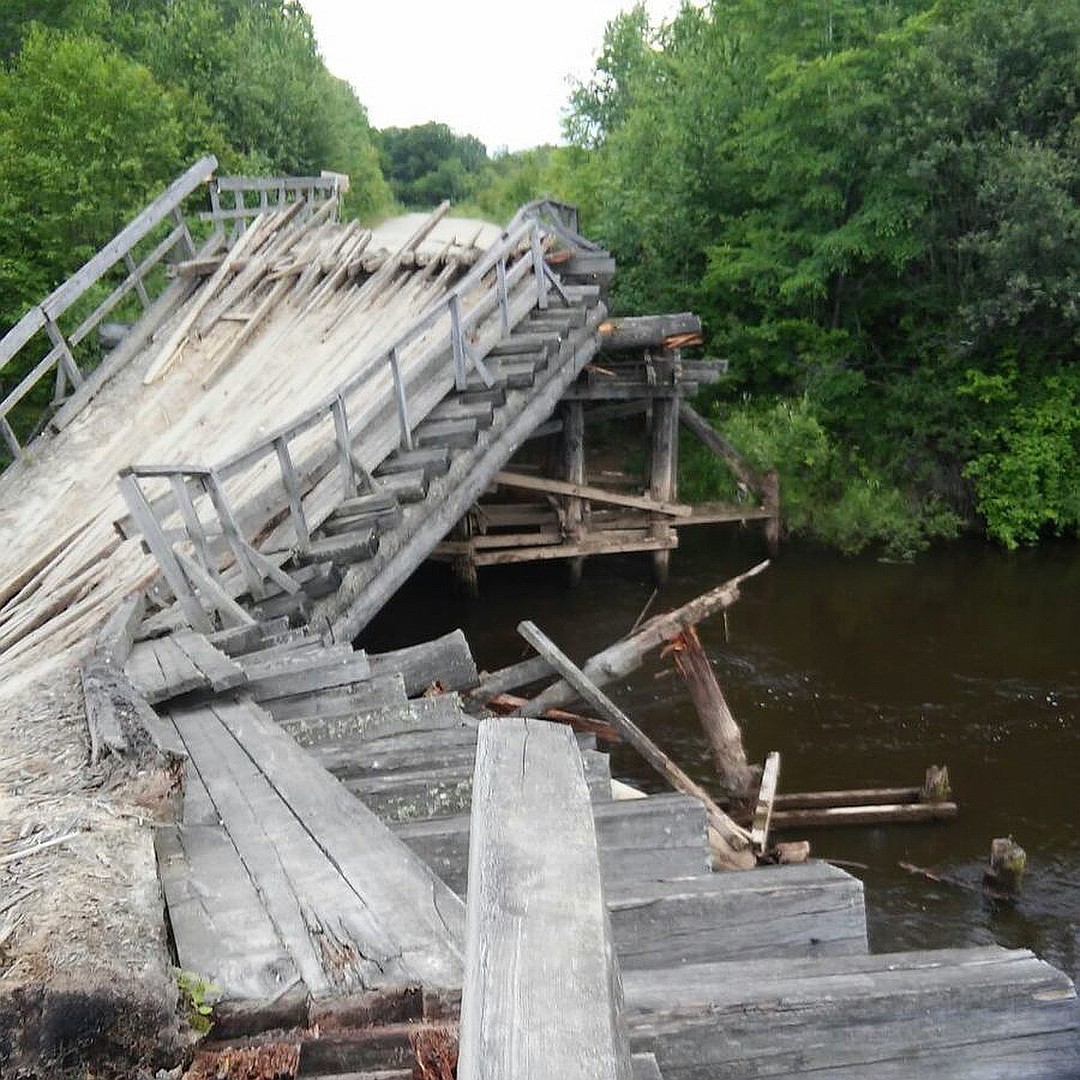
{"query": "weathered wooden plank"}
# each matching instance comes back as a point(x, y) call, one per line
point(325, 673)
point(161, 670)
point(424, 918)
point(332, 935)
point(734, 836)
point(353, 700)
point(536, 913)
point(759, 831)
point(512, 677)
point(221, 929)
point(587, 491)
point(117, 636)
point(982, 1013)
point(355, 761)
point(404, 796)
point(795, 911)
point(446, 660)
point(220, 671)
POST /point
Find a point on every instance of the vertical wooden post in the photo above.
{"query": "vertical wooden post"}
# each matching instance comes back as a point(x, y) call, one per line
point(725, 738)
point(572, 468)
point(147, 523)
point(466, 580)
point(1008, 860)
point(664, 463)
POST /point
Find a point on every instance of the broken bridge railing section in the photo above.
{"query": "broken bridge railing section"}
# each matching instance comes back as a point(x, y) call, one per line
point(254, 195)
point(287, 484)
point(134, 263)
point(39, 328)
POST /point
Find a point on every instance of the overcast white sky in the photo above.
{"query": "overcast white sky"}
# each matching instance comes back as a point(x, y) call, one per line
point(496, 69)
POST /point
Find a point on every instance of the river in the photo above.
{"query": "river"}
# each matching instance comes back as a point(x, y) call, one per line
point(861, 673)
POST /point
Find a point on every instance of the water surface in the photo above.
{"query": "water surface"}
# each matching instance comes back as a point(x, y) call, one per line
point(861, 673)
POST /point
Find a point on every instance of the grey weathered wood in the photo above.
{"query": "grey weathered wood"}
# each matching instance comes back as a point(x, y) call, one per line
point(220, 927)
point(960, 1013)
point(356, 545)
point(638, 840)
point(645, 1067)
point(446, 660)
point(423, 917)
point(291, 658)
point(759, 831)
point(323, 674)
point(352, 700)
point(588, 491)
point(116, 637)
point(431, 792)
point(425, 751)
point(221, 673)
point(511, 678)
point(541, 995)
point(162, 670)
point(795, 911)
point(733, 834)
point(646, 331)
point(663, 475)
point(328, 932)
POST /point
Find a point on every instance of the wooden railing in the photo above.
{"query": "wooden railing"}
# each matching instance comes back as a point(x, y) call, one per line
point(511, 279)
point(252, 195)
point(44, 317)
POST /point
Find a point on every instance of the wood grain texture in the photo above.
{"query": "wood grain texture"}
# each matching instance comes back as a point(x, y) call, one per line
point(542, 996)
point(792, 911)
point(957, 1013)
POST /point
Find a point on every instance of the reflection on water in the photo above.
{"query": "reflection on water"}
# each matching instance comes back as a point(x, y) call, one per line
point(861, 674)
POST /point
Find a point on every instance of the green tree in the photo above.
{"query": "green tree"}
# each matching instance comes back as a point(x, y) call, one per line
point(428, 163)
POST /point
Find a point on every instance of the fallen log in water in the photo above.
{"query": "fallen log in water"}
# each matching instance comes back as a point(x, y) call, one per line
point(731, 843)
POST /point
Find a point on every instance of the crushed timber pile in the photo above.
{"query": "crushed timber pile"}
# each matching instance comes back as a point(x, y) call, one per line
point(365, 869)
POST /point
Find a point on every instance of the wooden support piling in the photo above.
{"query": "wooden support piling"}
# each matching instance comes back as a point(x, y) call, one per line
point(572, 446)
point(663, 466)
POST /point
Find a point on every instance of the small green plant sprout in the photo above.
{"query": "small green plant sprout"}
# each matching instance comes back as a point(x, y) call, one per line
point(198, 997)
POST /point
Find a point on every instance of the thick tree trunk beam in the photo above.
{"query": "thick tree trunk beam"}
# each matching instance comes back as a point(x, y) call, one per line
point(734, 849)
point(629, 654)
point(649, 331)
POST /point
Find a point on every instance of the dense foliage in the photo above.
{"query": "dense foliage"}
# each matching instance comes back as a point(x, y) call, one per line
point(874, 207)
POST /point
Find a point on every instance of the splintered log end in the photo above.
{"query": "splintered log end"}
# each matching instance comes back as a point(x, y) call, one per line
point(1005, 874)
point(936, 787)
point(791, 852)
point(725, 856)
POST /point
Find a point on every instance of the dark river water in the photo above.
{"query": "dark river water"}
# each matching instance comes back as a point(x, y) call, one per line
point(861, 673)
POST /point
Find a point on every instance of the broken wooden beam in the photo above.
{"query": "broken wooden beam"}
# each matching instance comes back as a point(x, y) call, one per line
point(629, 654)
point(734, 847)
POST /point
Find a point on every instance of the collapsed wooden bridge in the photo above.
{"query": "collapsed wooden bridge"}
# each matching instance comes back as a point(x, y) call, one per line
point(304, 412)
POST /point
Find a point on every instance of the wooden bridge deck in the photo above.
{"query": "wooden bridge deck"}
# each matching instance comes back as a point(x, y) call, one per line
point(316, 410)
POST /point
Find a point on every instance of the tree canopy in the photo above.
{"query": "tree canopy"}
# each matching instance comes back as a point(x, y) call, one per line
point(874, 207)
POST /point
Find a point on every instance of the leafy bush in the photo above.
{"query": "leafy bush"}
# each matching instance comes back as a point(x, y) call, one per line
point(827, 492)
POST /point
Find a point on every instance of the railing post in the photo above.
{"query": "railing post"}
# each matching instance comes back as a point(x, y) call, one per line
point(457, 340)
point(504, 296)
point(71, 369)
point(8, 433)
point(539, 268)
point(185, 232)
point(147, 523)
point(140, 288)
point(344, 442)
point(231, 528)
point(292, 489)
point(402, 403)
